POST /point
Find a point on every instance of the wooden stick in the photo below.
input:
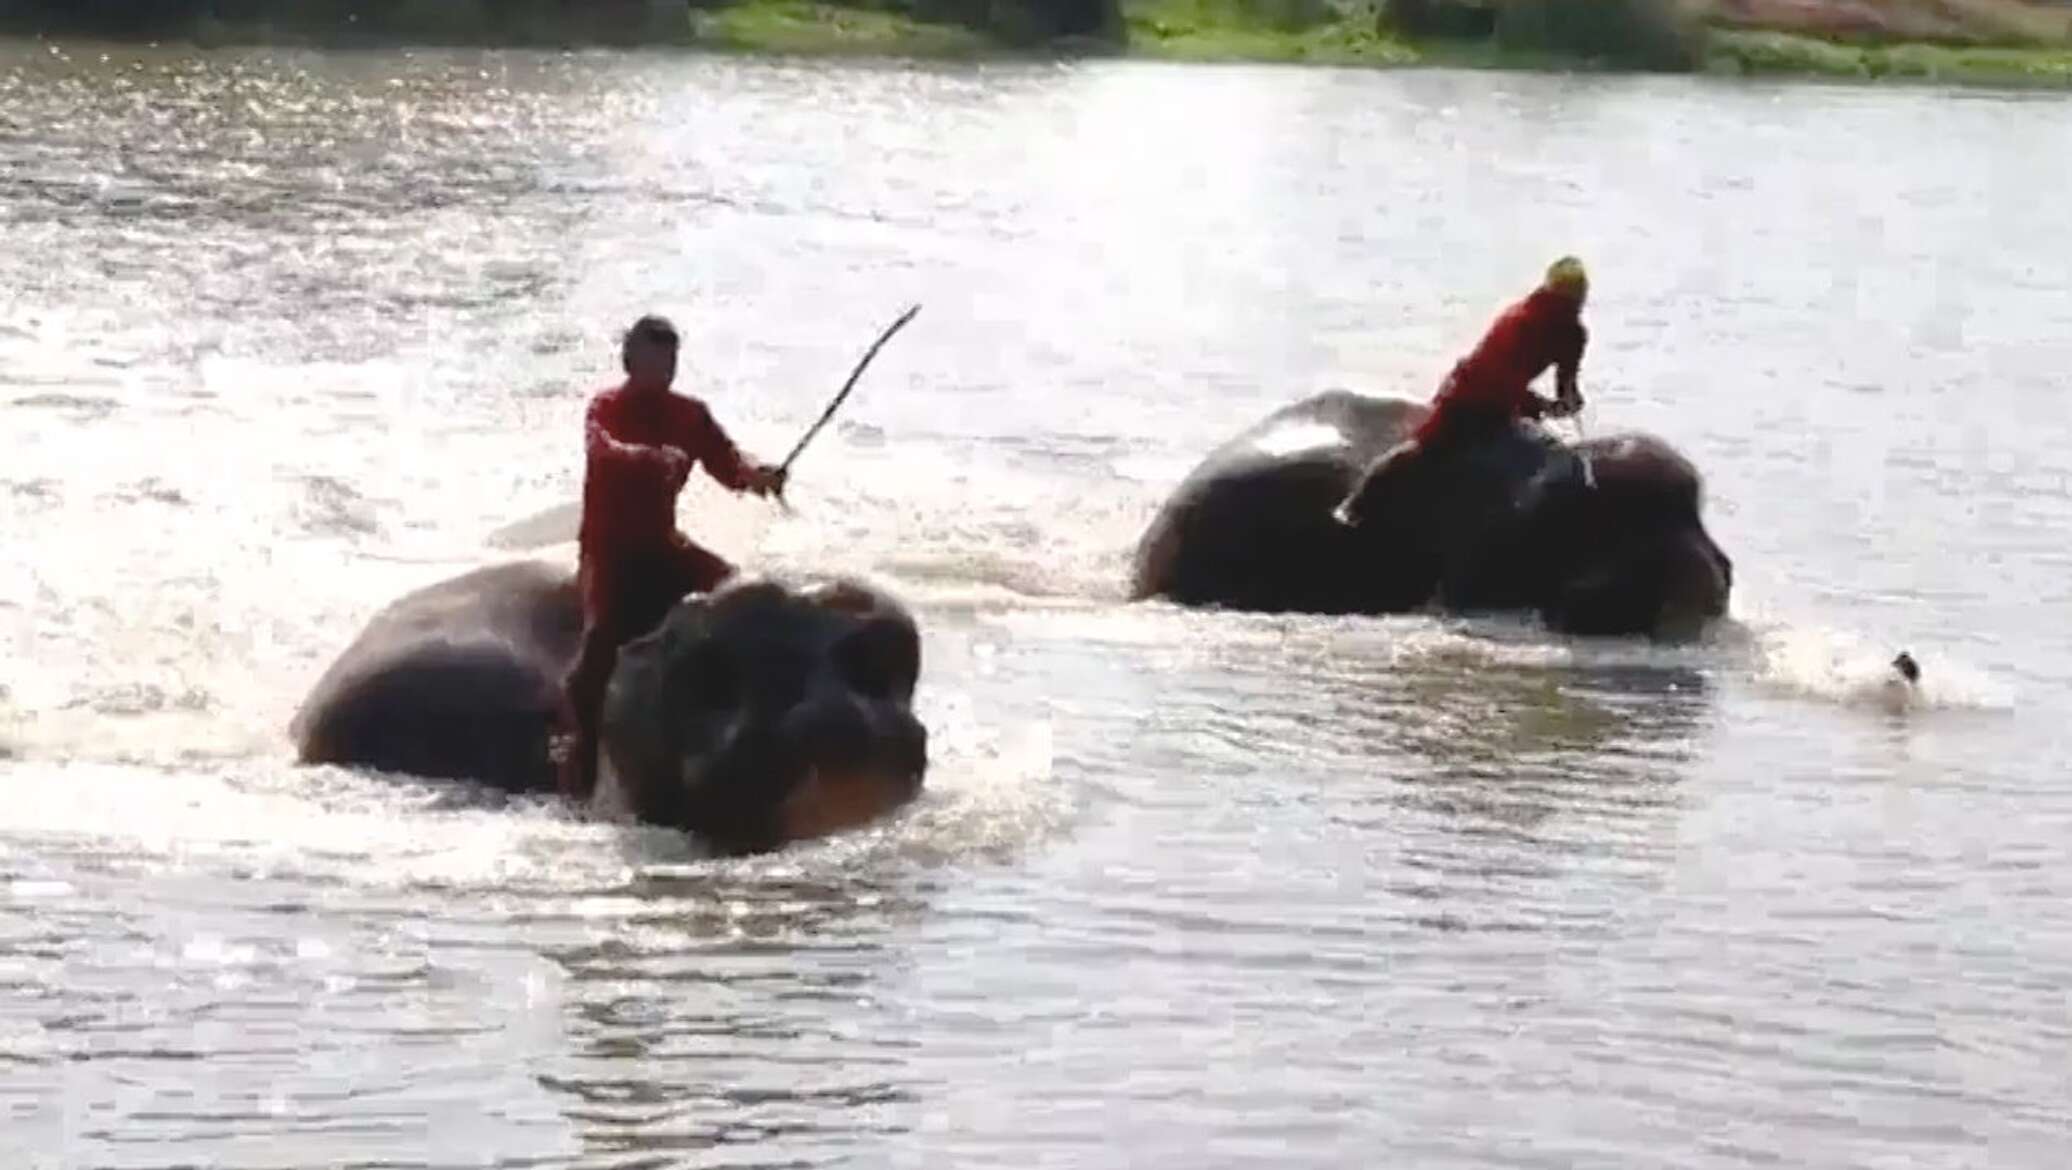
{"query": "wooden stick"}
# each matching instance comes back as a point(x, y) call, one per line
point(829, 413)
point(558, 524)
point(1589, 472)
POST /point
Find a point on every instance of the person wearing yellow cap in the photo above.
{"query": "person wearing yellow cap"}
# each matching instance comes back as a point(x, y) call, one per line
point(1493, 384)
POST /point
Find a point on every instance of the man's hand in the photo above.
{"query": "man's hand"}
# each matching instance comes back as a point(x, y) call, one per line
point(1566, 406)
point(676, 464)
point(767, 481)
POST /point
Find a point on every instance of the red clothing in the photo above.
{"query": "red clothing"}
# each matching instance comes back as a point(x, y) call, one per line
point(627, 594)
point(640, 448)
point(635, 566)
point(630, 480)
point(1545, 329)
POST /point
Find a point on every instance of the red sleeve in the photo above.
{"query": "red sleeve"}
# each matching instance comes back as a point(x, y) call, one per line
point(607, 451)
point(703, 439)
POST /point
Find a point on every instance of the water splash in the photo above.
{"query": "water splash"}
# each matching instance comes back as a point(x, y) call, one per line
point(1809, 660)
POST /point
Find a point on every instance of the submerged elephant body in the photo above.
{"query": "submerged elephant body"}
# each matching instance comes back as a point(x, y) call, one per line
point(1600, 538)
point(1251, 527)
point(759, 714)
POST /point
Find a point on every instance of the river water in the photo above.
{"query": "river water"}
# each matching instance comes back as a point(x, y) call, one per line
point(285, 334)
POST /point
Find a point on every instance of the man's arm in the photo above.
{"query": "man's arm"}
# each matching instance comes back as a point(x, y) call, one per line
point(606, 449)
point(707, 442)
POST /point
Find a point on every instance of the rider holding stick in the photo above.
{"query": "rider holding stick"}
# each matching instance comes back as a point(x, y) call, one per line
point(641, 441)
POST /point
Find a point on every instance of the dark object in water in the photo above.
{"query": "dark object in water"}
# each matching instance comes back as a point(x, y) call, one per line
point(757, 715)
point(1304, 513)
point(1906, 666)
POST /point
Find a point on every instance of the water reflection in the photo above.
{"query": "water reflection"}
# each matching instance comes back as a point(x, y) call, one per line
point(737, 1003)
point(1430, 892)
point(1532, 765)
point(1426, 702)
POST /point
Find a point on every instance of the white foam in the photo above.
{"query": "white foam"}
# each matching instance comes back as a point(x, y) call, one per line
point(987, 790)
point(990, 789)
point(1827, 665)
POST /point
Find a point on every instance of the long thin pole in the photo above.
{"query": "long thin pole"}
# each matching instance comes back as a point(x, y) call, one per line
point(829, 413)
point(1589, 473)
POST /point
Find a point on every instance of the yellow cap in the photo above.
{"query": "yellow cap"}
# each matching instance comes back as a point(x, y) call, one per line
point(1567, 275)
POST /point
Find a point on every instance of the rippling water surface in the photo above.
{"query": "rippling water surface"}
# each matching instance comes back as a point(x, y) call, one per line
point(286, 334)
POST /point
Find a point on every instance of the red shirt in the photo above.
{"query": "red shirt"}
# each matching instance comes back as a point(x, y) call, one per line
point(629, 485)
point(1545, 329)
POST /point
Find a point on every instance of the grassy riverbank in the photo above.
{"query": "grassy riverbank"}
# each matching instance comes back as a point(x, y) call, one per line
point(1789, 55)
point(814, 29)
point(1975, 42)
point(1227, 30)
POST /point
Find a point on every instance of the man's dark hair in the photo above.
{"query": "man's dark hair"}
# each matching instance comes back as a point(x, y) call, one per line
point(653, 329)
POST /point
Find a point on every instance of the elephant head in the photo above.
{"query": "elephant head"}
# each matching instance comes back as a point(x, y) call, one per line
point(1621, 543)
point(764, 714)
point(1603, 538)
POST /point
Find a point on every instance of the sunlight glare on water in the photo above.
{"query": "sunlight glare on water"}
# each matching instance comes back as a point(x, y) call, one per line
point(286, 334)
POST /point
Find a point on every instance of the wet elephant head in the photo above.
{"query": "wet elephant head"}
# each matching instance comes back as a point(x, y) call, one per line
point(1622, 545)
point(765, 714)
point(1604, 538)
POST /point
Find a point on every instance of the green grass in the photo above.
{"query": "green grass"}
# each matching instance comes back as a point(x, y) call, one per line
point(803, 27)
point(1183, 30)
point(1226, 30)
point(1332, 32)
point(1783, 54)
point(1308, 32)
point(1267, 30)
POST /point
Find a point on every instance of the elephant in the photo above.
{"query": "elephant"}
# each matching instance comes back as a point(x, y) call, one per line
point(762, 713)
point(1602, 537)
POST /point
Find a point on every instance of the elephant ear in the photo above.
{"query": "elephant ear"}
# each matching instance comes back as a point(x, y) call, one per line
point(1564, 483)
point(658, 677)
point(1528, 532)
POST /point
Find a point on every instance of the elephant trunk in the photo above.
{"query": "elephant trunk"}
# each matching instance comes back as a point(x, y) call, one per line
point(1670, 590)
point(1697, 582)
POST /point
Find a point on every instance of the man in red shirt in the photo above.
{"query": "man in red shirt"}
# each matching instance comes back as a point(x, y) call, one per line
point(641, 441)
point(1493, 384)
